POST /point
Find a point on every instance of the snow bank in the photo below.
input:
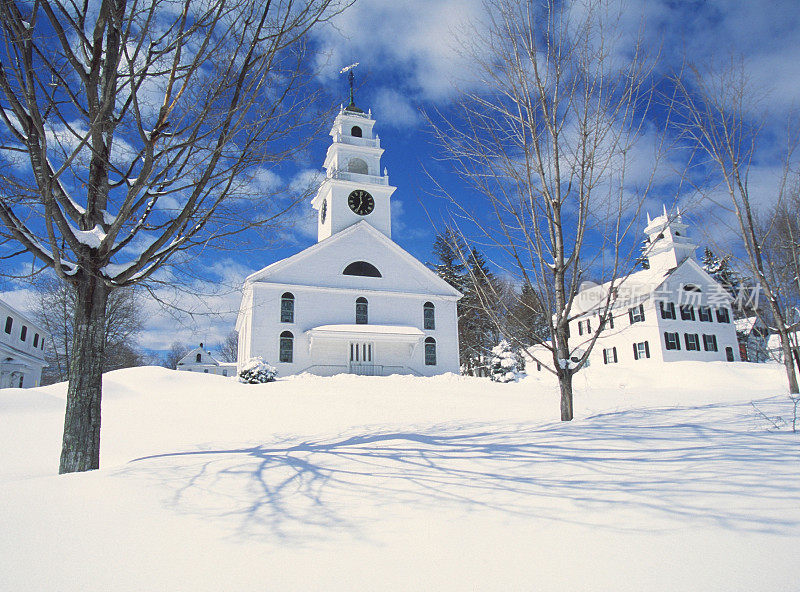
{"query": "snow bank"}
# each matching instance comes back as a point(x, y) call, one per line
point(404, 483)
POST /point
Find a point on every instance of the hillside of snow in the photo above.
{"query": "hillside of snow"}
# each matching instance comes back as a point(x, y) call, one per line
point(682, 482)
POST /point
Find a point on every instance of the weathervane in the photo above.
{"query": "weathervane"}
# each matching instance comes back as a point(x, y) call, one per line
point(350, 77)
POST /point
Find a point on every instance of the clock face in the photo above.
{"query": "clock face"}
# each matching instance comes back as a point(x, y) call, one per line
point(323, 211)
point(361, 202)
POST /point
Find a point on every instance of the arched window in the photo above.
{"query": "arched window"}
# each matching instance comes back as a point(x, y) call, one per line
point(361, 311)
point(198, 358)
point(428, 316)
point(286, 347)
point(287, 308)
point(355, 131)
point(362, 268)
point(357, 165)
point(430, 351)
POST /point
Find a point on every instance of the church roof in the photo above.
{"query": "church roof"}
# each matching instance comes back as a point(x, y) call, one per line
point(433, 283)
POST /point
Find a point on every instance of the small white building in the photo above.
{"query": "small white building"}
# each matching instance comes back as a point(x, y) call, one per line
point(672, 311)
point(753, 335)
point(355, 302)
point(21, 349)
point(200, 360)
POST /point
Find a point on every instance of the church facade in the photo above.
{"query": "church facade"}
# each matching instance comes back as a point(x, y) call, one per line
point(355, 302)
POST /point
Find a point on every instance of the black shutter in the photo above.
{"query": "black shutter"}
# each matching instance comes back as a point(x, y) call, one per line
point(641, 310)
point(605, 357)
point(630, 315)
point(646, 349)
point(635, 352)
point(615, 354)
point(678, 341)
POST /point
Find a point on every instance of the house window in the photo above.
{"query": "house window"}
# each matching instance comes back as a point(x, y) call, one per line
point(198, 357)
point(430, 351)
point(362, 268)
point(636, 314)
point(23, 333)
point(691, 288)
point(607, 321)
point(687, 312)
point(205, 371)
point(287, 308)
point(672, 340)
point(723, 316)
point(710, 342)
point(641, 350)
point(361, 311)
point(224, 372)
point(704, 313)
point(584, 327)
point(286, 353)
point(610, 355)
point(9, 324)
point(35, 340)
point(355, 131)
point(667, 310)
point(729, 354)
point(428, 316)
point(692, 341)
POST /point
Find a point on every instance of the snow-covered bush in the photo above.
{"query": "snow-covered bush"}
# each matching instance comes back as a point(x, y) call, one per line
point(256, 371)
point(505, 363)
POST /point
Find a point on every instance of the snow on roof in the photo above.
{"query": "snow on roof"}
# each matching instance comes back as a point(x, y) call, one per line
point(745, 325)
point(632, 288)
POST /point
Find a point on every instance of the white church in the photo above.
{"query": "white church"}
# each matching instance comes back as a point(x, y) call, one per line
point(673, 311)
point(355, 302)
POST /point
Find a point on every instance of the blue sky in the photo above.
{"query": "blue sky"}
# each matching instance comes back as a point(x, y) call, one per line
point(410, 61)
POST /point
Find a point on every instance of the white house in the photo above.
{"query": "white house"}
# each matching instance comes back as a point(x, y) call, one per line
point(200, 360)
point(355, 302)
point(21, 349)
point(753, 335)
point(670, 312)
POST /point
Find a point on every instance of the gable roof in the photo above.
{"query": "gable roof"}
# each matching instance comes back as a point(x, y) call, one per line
point(190, 358)
point(360, 231)
point(638, 287)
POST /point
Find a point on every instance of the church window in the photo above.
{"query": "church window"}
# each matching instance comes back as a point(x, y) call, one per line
point(287, 308)
point(723, 316)
point(687, 312)
point(355, 131)
point(361, 311)
point(430, 351)
point(704, 313)
point(362, 268)
point(198, 358)
point(36, 340)
point(428, 316)
point(691, 288)
point(286, 347)
point(9, 324)
point(23, 333)
point(729, 354)
point(357, 165)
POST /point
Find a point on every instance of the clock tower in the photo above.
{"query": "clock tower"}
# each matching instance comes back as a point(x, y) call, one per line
point(354, 188)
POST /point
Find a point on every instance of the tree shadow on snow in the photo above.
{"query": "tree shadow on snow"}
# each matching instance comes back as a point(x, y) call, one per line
point(681, 468)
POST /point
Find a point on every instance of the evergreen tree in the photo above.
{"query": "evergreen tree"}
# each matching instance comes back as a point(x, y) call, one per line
point(447, 249)
point(481, 310)
point(505, 366)
point(527, 320)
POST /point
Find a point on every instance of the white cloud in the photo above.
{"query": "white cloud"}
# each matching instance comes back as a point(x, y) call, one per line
point(394, 109)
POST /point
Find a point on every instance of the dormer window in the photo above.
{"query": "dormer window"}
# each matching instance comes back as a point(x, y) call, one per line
point(198, 358)
point(355, 131)
point(362, 268)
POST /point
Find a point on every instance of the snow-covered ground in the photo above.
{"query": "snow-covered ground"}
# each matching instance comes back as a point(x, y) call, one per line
point(355, 483)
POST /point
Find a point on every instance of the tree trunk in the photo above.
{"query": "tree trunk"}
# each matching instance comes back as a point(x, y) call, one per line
point(565, 385)
point(788, 359)
point(80, 449)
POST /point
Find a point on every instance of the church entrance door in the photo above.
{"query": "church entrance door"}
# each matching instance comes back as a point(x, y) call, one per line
point(361, 358)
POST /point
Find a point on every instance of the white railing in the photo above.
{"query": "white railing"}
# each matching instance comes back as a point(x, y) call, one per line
point(357, 177)
point(354, 141)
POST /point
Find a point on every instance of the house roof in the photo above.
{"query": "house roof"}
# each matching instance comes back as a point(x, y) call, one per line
point(208, 359)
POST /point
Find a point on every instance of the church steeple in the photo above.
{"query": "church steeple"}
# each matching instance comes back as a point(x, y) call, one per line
point(668, 241)
point(354, 188)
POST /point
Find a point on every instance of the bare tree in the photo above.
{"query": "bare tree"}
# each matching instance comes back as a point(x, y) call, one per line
point(174, 355)
point(228, 349)
point(54, 307)
point(718, 114)
point(544, 140)
point(142, 126)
